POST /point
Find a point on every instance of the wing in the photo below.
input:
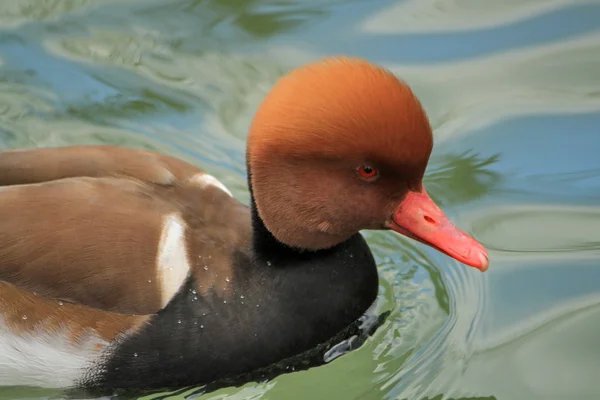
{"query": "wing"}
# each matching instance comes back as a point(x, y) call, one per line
point(42, 165)
point(98, 226)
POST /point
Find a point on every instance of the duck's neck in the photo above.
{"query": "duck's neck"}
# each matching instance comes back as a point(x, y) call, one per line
point(263, 241)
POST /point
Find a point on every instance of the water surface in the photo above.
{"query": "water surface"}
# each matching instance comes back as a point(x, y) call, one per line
point(513, 92)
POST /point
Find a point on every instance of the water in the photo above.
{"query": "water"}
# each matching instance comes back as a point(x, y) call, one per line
point(512, 89)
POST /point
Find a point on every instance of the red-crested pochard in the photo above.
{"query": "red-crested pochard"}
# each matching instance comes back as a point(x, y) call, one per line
point(122, 268)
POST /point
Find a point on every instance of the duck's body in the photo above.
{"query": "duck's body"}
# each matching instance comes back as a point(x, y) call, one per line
point(204, 303)
point(227, 336)
point(122, 268)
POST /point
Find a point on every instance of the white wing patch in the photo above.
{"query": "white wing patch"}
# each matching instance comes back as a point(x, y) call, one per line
point(164, 177)
point(204, 180)
point(172, 264)
point(45, 359)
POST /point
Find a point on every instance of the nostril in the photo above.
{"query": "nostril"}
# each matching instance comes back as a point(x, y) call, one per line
point(429, 219)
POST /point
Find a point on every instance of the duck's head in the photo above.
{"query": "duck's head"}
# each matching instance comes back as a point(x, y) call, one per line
point(339, 146)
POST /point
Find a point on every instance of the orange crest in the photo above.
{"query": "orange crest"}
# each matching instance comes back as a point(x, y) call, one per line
point(342, 108)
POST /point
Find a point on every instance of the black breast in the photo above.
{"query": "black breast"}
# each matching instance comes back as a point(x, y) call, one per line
point(281, 306)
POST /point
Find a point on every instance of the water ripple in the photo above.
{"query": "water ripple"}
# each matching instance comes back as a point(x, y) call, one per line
point(16, 13)
point(550, 355)
point(540, 228)
point(429, 16)
point(437, 364)
point(460, 97)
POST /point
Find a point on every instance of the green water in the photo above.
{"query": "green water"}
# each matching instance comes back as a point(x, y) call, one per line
point(512, 88)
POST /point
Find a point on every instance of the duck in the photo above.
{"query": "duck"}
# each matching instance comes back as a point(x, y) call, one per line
point(122, 268)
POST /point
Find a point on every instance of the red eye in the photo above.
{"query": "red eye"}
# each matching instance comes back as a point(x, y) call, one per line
point(367, 172)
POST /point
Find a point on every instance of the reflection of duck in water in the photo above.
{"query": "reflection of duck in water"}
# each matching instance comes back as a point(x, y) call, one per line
point(125, 268)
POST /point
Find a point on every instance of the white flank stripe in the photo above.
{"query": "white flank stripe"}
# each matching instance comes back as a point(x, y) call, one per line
point(204, 180)
point(172, 265)
point(45, 359)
